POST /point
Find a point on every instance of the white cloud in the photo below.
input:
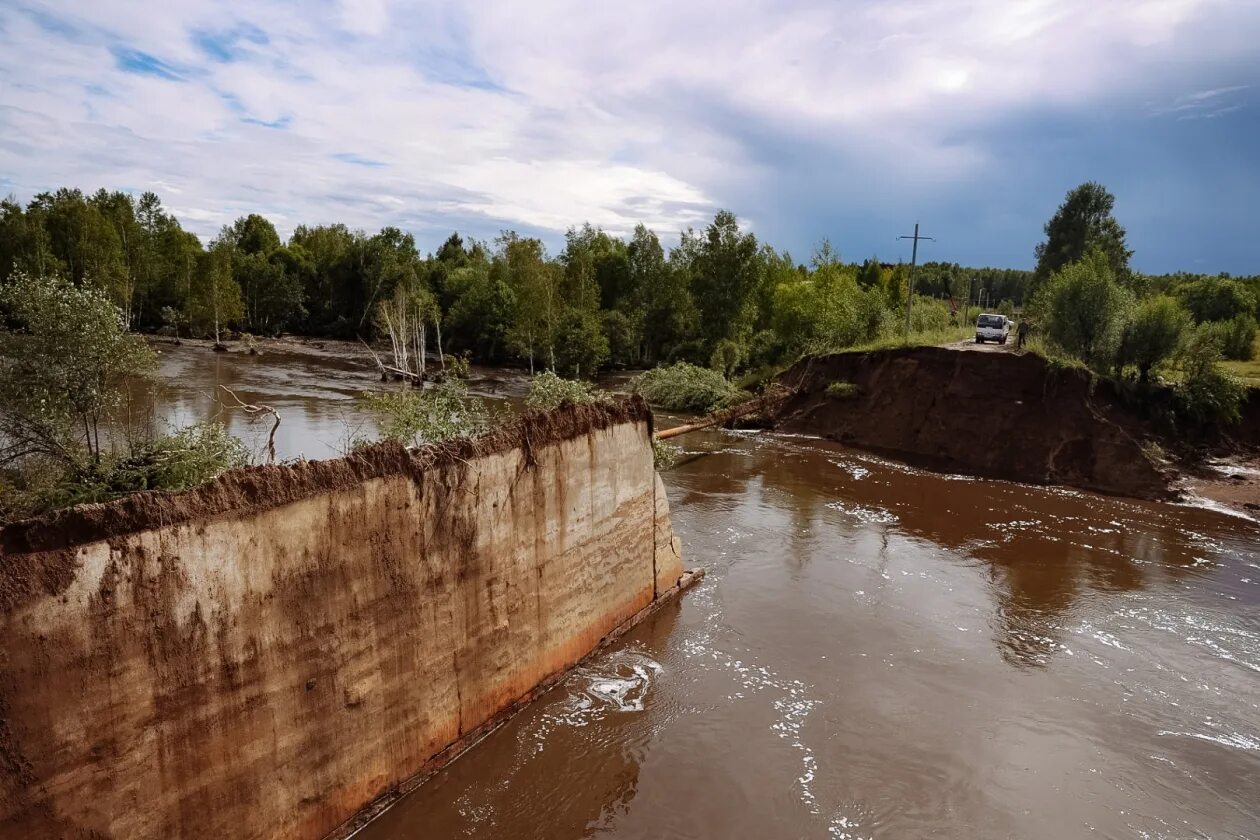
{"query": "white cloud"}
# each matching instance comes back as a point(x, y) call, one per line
point(546, 114)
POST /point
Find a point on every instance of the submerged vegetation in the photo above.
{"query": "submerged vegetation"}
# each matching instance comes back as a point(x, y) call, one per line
point(686, 387)
point(548, 391)
point(414, 416)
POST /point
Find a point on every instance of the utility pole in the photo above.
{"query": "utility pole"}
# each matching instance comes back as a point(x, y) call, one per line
point(914, 256)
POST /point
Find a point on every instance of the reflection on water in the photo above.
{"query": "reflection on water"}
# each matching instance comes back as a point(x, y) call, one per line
point(880, 652)
point(315, 395)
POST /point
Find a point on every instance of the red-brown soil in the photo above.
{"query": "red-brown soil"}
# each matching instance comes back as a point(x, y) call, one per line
point(1001, 415)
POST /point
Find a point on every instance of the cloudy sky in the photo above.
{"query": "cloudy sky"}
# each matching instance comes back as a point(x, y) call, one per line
point(849, 120)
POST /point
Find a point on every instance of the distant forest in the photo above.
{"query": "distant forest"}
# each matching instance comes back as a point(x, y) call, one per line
point(720, 298)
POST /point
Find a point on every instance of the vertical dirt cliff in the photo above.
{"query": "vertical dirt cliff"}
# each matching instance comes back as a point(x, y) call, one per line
point(1000, 415)
point(264, 656)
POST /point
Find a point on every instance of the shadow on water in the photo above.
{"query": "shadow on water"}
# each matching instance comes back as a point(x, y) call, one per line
point(1045, 548)
point(606, 711)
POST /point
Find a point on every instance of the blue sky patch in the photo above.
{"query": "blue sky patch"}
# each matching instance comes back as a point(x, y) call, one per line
point(143, 64)
point(227, 45)
point(357, 160)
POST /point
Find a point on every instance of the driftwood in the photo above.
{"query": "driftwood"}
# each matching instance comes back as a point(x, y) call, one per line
point(765, 402)
point(256, 410)
point(390, 370)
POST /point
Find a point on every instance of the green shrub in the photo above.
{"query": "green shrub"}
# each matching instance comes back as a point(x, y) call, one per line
point(1084, 308)
point(726, 358)
point(1216, 299)
point(1153, 334)
point(416, 417)
point(1237, 337)
point(181, 461)
point(843, 390)
point(191, 456)
point(1206, 394)
point(548, 391)
point(929, 315)
point(686, 387)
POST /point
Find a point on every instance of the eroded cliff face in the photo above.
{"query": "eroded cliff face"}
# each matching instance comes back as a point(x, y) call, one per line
point(1000, 415)
point(265, 656)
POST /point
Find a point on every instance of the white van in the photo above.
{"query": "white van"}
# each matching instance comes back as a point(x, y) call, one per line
point(991, 327)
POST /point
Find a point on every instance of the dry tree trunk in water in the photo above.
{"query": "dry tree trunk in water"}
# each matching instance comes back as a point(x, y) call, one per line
point(255, 410)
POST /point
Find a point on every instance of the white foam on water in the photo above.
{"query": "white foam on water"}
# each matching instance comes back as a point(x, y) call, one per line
point(858, 473)
point(792, 705)
point(617, 683)
point(1234, 740)
point(842, 828)
point(871, 516)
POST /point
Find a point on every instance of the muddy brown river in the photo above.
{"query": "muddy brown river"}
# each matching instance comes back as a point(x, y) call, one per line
point(875, 652)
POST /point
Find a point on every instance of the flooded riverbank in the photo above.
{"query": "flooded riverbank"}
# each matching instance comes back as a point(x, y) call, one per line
point(876, 652)
point(879, 652)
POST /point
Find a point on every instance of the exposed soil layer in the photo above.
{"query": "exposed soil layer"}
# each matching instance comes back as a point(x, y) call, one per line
point(255, 488)
point(999, 415)
point(265, 655)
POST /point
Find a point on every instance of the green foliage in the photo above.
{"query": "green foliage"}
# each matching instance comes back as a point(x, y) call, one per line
point(827, 309)
point(185, 459)
point(686, 387)
point(623, 336)
point(1083, 310)
point(1217, 299)
point(1153, 334)
point(841, 390)
point(719, 298)
point(181, 461)
point(1206, 394)
point(582, 347)
point(416, 417)
point(64, 360)
point(727, 357)
point(1007, 308)
point(214, 295)
point(929, 315)
point(1083, 223)
point(725, 272)
point(548, 391)
point(1236, 337)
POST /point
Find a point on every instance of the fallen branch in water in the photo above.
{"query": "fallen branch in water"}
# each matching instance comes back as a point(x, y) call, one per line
point(255, 410)
point(386, 370)
point(764, 402)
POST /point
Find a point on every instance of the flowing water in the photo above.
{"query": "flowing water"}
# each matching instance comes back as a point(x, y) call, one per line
point(880, 652)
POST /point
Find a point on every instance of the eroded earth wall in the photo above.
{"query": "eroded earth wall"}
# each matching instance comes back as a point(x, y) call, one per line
point(263, 657)
point(1000, 415)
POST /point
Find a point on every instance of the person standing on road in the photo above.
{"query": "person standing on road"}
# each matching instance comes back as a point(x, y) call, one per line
point(1022, 334)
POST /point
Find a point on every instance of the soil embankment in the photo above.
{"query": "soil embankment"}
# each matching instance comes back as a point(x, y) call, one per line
point(265, 656)
point(1001, 415)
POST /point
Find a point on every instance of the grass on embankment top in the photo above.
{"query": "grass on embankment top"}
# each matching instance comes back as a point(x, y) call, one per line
point(1248, 372)
point(932, 338)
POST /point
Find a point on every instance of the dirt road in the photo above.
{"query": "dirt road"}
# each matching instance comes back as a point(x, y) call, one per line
point(988, 346)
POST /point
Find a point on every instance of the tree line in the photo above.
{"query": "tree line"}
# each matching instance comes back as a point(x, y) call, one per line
point(1091, 306)
point(720, 297)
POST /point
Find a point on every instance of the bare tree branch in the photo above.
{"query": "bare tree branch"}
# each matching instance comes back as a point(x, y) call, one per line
point(255, 410)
